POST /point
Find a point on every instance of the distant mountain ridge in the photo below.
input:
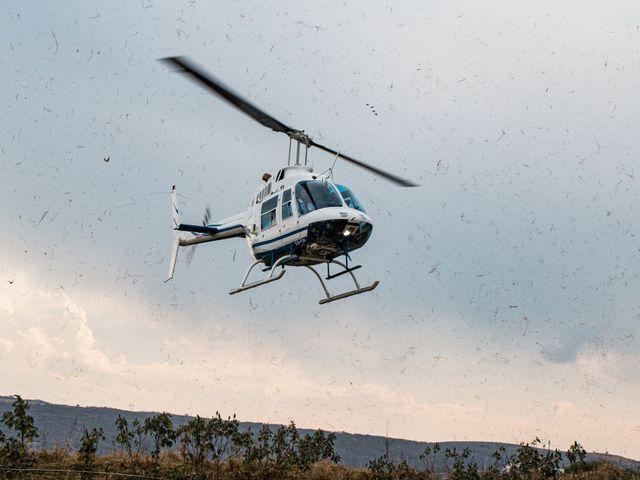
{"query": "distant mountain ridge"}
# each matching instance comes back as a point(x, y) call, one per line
point(63, 426)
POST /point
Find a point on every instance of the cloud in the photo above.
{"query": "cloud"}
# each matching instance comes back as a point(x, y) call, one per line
point(598, 362)
point(50, 348)
point(595, 357)
point(5, 347)
point(51, 351)
point(47, 329)
point(564, 407)
point(565, 350)
point(54, 349)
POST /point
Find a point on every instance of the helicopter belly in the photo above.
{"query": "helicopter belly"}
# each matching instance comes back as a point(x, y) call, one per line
point(285, 244)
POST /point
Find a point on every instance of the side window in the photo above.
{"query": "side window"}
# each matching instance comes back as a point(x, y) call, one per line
point(286, 204)
point(268, 217)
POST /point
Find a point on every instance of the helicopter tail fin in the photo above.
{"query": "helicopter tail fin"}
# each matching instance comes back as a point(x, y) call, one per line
point(175, 219)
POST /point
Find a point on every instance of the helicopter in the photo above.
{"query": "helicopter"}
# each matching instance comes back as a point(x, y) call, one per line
point(296, 218)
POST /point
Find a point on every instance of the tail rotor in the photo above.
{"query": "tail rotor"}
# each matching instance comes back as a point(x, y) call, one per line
point(205, 222)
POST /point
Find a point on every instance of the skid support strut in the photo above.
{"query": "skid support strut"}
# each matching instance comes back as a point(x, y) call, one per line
point(269, 278)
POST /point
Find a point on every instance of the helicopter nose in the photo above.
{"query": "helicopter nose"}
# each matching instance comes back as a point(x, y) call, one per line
point(340, 235)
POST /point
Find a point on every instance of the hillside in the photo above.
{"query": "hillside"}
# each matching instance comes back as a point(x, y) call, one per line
point(63, 425)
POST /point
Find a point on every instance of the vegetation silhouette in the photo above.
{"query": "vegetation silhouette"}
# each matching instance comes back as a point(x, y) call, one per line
point(216, 448)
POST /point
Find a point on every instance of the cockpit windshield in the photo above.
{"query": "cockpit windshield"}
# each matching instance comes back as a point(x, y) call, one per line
point(315, 194)
point(349, 198)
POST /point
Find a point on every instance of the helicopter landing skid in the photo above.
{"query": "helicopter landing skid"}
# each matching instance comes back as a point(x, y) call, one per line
point(272, 277)
point(332, 298)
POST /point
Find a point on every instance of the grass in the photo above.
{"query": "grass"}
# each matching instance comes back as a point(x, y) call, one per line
point(59, 463)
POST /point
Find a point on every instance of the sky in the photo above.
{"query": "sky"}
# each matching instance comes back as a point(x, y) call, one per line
point(507, 307)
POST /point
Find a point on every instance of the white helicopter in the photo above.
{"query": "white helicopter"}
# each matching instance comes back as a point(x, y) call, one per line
point(296, 218)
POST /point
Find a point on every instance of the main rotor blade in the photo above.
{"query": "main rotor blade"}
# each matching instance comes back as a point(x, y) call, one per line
point(389, 176)
point(209, 81)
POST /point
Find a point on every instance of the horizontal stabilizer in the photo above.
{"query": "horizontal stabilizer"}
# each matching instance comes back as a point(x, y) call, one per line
point(185, 227)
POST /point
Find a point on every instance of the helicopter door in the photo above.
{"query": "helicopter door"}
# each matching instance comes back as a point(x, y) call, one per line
point(286, 212)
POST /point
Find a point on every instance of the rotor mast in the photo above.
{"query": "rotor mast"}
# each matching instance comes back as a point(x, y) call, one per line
point(300, 138)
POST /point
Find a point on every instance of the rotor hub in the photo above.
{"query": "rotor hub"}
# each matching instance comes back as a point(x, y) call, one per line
point(300, 136)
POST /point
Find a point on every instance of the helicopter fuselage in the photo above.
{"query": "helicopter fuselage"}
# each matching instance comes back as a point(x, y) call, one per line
point(298, 214)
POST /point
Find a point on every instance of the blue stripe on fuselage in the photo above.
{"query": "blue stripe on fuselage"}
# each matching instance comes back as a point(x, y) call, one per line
point(266, 242)
point(287, 249)
point(220, 230)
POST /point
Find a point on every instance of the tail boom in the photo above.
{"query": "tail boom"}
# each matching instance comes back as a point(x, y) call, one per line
point(232, 227)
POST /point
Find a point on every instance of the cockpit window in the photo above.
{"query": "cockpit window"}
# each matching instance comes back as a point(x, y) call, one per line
point(349, 198)
point(315, 194)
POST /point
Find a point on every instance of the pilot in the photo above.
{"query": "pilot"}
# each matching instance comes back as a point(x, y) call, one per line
point(305, 204)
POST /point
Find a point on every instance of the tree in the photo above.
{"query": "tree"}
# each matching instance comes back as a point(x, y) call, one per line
point(257, 450)
point(495, 470)
point(277, 453)
point(576, 455)
point(14, 450)
point(527, 459)
point(224, 432)
point(160, 428)
point(89, 445)
point(125, 436)
point(315, 448)
point(529, 462)
point(225, 440)
point(19, 420)
point(428, 458)
point(464, 467)
point(194, 441)
point(550, 462)
point(139, 435)
point(383, 468)
point(284, 447)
